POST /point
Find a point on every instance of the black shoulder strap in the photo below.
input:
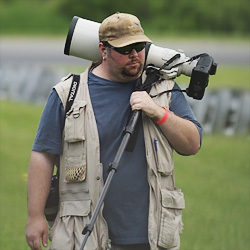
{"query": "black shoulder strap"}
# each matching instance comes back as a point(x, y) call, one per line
point(72, 92)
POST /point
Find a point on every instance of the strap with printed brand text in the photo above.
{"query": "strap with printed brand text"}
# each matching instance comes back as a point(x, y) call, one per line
point(72, 92)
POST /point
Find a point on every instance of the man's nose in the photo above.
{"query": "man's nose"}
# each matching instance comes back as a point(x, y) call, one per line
point(133, 53)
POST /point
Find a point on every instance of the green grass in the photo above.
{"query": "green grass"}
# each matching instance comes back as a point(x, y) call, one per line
point(18, 123)
point(215, 183)
point(217, 191)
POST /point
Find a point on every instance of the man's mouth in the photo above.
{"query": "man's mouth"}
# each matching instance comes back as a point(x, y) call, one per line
point(133, 63)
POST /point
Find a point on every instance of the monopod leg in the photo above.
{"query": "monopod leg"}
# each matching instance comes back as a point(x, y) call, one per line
point(89, 228)
point(113, 168)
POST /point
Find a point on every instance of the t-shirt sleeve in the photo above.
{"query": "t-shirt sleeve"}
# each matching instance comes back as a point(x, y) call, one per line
point(49, 133)
point(180, 107)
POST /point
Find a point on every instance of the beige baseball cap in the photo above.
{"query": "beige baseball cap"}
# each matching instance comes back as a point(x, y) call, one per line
point(121, 29)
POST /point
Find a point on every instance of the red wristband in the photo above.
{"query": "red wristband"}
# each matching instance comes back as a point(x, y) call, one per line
point(164, 118)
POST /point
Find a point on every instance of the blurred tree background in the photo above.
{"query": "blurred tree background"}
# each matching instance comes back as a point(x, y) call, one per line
point(159, 16)
point(179, 15)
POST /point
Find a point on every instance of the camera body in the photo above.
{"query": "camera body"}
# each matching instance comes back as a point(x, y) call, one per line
point(83, 39)
point(200, 76)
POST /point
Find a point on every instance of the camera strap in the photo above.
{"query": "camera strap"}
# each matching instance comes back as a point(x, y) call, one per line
point(72, 92)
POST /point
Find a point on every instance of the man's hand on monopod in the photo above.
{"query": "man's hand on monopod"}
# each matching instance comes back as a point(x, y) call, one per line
point(141, 100)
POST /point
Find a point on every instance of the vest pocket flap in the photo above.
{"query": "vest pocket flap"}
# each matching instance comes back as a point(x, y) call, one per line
point(173, 199)
point(76, 108)
point(74, 122)
point(75, 208)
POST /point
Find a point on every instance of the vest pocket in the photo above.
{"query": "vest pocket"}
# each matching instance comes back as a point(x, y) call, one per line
point(66, 231)
point(74, 122)
point(164, 157)
point(75, 156)
point(171, 225)
point(75, 162)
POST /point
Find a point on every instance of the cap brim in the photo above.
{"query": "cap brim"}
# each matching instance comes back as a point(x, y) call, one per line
point(124, 41)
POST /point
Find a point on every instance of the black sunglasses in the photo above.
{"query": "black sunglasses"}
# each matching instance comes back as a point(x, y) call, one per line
point(126, 50)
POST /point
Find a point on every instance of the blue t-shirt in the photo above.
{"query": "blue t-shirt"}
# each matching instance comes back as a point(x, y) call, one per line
point(127, 201)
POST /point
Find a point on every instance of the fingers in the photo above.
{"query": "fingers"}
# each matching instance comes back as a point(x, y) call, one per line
point(37, 231)
point(34, 243)
point(45, 239)
point(139, 99)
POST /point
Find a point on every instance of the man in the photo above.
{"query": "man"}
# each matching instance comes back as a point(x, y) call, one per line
point(142, 209)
